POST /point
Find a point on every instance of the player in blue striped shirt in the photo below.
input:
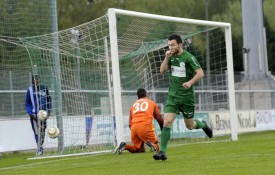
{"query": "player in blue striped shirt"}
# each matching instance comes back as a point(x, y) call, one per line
point(38, 98)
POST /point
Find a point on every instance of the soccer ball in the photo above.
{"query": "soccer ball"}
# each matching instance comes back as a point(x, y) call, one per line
point(53, 132)
point(42, 115)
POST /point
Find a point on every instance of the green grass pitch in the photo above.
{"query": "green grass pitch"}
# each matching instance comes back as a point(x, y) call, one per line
point(252, 154)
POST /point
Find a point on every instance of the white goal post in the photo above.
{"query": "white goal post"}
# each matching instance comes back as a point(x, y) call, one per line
point(112, 13)
point(93, 71)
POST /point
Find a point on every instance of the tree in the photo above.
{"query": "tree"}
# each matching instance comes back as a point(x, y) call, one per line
point(232, 15)
point(270, 33)
point(72, 13)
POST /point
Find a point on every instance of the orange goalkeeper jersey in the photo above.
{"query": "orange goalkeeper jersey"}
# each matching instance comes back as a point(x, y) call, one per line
point(145, 110)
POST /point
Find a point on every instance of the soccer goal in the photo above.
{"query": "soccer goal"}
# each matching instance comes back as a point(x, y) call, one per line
point(93, 71)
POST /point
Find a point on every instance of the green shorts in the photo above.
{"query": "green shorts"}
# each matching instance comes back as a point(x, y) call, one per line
point(175, 105)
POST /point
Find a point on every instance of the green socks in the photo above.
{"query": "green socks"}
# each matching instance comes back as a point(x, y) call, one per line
point(200, 124)
point(165, 136)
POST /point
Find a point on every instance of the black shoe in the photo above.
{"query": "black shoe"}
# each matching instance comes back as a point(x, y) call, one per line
point(148, 143)
point(160, 156)
point(208, 131)
point(121, 148)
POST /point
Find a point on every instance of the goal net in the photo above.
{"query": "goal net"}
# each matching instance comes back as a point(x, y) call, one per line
point(93, 71)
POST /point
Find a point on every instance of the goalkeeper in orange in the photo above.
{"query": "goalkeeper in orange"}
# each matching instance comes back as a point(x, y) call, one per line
point(142, 114)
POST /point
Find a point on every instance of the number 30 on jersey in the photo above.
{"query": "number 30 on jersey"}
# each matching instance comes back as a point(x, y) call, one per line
point(140, 106)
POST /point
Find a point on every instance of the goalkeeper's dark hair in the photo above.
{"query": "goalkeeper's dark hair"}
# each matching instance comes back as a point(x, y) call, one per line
point(141, 93)
point(35, 77)
point(175, 37)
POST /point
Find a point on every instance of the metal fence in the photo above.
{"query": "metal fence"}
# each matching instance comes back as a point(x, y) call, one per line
point(249, 95)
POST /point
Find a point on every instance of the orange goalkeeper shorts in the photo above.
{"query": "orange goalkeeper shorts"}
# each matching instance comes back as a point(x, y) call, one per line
point(141, 132)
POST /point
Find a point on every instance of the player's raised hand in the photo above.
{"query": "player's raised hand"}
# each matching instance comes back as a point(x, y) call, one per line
point(168, 53)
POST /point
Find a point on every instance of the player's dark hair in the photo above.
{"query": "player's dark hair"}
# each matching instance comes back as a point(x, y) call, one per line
point(175, 37)
point(141, 93)
point(35, 77)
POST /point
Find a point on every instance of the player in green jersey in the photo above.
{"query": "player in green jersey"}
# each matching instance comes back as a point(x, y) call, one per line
point(184, 71)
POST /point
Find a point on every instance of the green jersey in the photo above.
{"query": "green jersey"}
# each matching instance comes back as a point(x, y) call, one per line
point(182, 69)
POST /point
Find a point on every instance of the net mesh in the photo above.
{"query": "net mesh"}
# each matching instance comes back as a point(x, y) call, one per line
point(142, 44)
point(76, 66)
point(18, 19)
